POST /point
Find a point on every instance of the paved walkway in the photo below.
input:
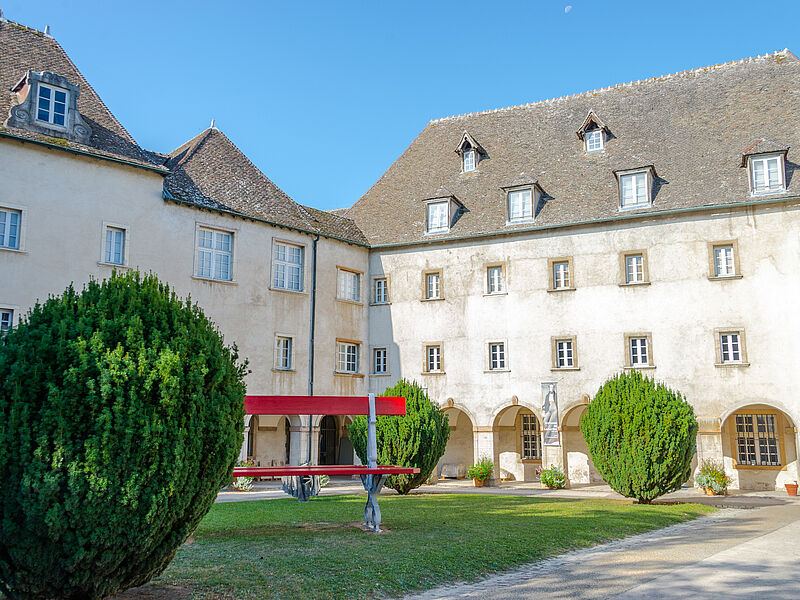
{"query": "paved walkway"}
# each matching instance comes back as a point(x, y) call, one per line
point(731, 554)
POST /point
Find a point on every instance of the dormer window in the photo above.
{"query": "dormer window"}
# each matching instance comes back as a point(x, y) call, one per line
point(635, 188)
point(766, 174)
point(594, 140)
point(520, 206)
point(51, 106)
point(438, 217)
point(523, 195)
point(469, 160)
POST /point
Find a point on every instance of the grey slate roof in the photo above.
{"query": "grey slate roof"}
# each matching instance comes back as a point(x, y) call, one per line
point(210, 171)
point(693, 127)
point(23, 49)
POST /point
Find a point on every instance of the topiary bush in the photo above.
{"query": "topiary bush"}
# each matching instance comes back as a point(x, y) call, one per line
point(121, 417)
point(417, 439)
point(641, 436)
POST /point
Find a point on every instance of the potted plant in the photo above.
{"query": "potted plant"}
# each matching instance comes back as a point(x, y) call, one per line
point(791, 488)
point(553, 477)
point(712, 478)
point(481, 471)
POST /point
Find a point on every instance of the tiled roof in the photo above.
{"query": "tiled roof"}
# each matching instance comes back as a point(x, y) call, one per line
point(23, 49)
point(692, 127)
point(209, 170)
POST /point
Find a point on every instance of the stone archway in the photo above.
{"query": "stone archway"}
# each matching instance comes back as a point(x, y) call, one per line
point(268, 440)
point(758, 448)
point(580, 468)
point(460, 451)
point(517, 443)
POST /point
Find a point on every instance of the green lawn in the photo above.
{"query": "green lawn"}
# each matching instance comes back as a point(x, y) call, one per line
point(284, 549)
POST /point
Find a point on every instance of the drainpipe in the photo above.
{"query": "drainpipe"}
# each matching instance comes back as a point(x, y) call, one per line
point(312, 325)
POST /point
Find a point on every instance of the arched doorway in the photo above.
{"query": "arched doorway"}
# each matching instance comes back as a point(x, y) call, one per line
point(580, 468)
point(518, 443)
point(328, 440)
point(460, 451)
point(758, 446)
point(269, 440)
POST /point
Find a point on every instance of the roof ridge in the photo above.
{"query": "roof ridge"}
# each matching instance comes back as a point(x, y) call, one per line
point(23, 26)
point(785, 52)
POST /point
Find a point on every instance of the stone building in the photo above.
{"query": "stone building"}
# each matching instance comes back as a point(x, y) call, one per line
point(510, 260)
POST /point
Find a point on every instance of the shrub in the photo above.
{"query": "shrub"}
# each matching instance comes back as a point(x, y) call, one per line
point(553, 477)
point(641, 436)
point(121, 417)
point(416, 439)
point(482, 470)
point(243, 484)
point(712, 475)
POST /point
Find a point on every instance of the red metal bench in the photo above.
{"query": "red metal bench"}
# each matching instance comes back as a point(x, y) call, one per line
point(372, 475)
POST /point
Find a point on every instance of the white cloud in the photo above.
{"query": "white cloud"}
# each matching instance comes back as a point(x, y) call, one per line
point(567, 8)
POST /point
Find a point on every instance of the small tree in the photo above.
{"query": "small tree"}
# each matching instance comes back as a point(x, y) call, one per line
point(641, 436)
point(417, 439)
point(121, 417)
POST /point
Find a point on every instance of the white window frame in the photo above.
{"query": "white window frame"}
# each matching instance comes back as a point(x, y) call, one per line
point(434, 222)
point(433, 358)
point(565, 354)
point(724, 257)
point(642, 201)
point(348, 285)
point(284, 266)
point(214, 252)
point(497, 356)
point(5, 227)
point(594, 140)
point(638, 352)
point(469, 160)
point(525, 212)
point(51, 105)
point(6, 319)
point(634, 268)
point(730, 348)
point(380, 361)
point(433, 285)
point(562, 277)
point(495, 280)
point(107, 226)
point(284, 353)
point(764, 160)
point(380, 290)
point(347, 356)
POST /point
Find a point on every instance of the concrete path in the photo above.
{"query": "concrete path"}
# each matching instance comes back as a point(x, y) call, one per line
point(731, 554)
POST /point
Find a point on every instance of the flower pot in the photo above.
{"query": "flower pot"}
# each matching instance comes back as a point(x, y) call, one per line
point(791, 488)
point(710, 492)
point(478, 482)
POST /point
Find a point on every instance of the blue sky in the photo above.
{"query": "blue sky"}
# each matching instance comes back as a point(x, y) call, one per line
point(323, 96)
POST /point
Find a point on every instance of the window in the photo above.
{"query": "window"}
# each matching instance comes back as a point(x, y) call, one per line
point(287, 267)
point(639, 355)
point(634, 266)
point(379, 361)
point(531, 440)
point(520, 206)
point(469, 160)
point(283, 353)
point(564, 356)
point(10, 221)
point(730, 348)
point(347, 357)
point(433, 287)
point(561, 274)
point(497, 356)
point(757, 439)
point(349, 286)
point(115, 246)
point(724, 259)
point(494, 280)
point(594, 140)
point(214, 254)
point(438, 217)
point(52, 105)
point(766, 174)
point(380, 290)
point(433, 359)
point(6, 320)
point(633, 190)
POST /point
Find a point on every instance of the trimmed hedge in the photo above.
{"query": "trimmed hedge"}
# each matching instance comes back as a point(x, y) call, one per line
point(641, 436)
point(121, 417)
point(417, 439)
